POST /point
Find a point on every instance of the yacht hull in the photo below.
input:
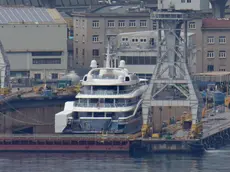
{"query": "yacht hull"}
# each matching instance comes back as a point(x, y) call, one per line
point(132, 127)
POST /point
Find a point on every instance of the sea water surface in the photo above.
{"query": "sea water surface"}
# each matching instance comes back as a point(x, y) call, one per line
point(211, 161)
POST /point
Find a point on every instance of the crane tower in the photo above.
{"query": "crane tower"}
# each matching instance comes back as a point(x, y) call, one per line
point(171, 84)
point(218, 8)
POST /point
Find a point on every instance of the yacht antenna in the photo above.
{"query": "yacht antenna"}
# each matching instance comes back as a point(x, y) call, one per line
point(108, 56)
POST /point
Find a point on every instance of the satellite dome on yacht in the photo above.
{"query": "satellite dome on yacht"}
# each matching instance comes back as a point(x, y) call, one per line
point(93, 64)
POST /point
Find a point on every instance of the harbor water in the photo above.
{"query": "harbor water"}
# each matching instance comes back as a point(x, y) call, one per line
point(211, 161)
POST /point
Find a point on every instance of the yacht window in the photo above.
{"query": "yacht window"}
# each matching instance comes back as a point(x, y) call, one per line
point(135, 60)
point(142, 60)
point(127, 78)
point(147, 60)
point(75, 115)
point(99, 114)
point(110, 114)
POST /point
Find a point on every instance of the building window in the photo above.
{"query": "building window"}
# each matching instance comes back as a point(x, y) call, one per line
point(95, 24)
point(182, 1)
point(143, 23)
point(77, 23)
point(192, 25)
point(222, 54)
point(47, 61)
point(37, 76)
point(95, 52)
point(189, 1)
point(83, 23)
point(124, 39)
point(54, 76)
point(111, 23)
point(143, 40)
point(222, 39)
point(137, 60)
point(76, 52)
point(152, 41)
point(95, 38)
point(222, 69)
point(134, 40)
point(211, 40)
point(210, 68)
point(132, 23)
point(210, 54)
point(83, 38)
point(121, 23)
point(154, 25)
point(47, 53)
point(83, 52)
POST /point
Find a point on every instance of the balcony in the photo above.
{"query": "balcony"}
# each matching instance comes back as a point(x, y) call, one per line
point(108, 92)
point(105, 105)
point(136, 47)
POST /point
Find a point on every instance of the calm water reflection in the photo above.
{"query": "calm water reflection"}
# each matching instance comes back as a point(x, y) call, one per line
point(97, 162)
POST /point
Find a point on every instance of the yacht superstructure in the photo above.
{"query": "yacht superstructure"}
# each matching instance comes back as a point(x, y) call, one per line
point(109, 101)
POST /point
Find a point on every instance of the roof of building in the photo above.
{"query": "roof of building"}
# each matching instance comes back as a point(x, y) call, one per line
point(29, 15)
point(43, 3)
point(67, 3)
point(215, 73)
point(216, 23)
point(148, 33)
point(115, 10)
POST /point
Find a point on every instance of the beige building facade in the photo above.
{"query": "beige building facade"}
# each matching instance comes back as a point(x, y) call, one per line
point(91, 30)
point(215, 45)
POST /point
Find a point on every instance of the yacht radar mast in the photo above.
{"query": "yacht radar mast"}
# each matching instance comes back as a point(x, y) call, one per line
point(108, 59)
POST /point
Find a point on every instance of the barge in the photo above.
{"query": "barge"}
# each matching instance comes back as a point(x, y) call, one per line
point(131, 144)
point(64, 143)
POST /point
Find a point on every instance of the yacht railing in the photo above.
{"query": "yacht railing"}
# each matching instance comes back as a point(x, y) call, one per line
point(124, 119)
point(110, 92)
point(104, 77)
point(107, 92)
point(105, 105)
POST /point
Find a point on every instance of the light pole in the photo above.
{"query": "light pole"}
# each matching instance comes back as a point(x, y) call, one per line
point(160, 109)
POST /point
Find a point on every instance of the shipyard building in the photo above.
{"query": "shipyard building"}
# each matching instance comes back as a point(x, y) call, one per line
point(35, 41)
point(139, 51)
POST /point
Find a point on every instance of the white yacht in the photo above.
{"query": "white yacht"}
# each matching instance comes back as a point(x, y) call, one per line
point(109, 101)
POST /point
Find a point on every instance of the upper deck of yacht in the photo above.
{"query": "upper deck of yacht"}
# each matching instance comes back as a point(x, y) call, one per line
point(110, 76)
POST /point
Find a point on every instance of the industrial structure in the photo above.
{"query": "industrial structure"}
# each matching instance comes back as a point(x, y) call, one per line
point(139, 51)
point(175, 88)
point(171, 85)
point(218, 8)
point(37, 47)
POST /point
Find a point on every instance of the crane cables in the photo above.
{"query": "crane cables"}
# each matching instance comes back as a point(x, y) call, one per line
point(34, 120)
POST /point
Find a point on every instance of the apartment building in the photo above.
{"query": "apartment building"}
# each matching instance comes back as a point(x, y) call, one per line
point(215, 44)
point(92, 28)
